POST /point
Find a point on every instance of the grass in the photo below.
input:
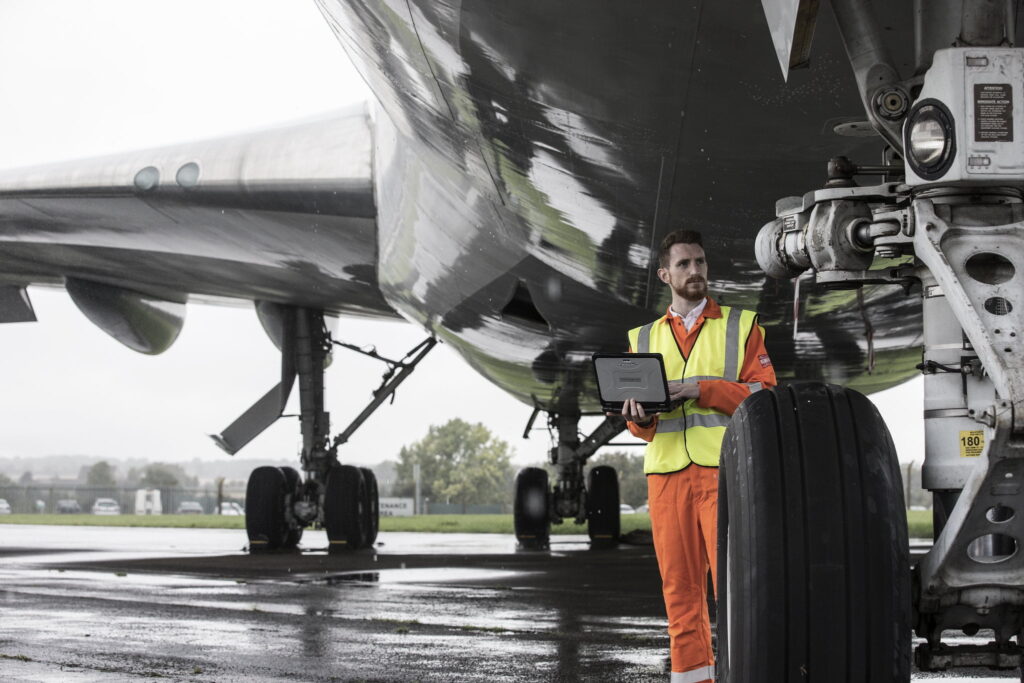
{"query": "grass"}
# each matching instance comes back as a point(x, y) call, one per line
point(174, 521)
point(919, 521)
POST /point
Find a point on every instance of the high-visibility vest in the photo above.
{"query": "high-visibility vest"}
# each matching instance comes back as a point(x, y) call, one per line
point(691, 433)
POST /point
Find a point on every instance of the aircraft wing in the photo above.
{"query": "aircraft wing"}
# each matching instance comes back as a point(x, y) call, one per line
point(285, 215)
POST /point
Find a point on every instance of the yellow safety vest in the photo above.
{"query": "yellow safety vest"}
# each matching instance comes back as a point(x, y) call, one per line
point(691, 433)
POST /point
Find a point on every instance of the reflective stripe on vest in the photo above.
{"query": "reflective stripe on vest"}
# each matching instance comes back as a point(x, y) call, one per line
point(691, 433)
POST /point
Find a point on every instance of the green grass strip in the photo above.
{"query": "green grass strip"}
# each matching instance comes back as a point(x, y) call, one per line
point(920, 522)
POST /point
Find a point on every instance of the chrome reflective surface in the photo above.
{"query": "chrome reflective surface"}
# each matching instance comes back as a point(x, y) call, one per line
point(140, 322)
point(525, 161)
point(283, 215)
point(532, 155)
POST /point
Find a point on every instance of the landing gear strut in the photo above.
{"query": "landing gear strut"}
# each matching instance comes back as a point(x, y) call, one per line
point(597, 503)
point(951, 230)
point(342, 499)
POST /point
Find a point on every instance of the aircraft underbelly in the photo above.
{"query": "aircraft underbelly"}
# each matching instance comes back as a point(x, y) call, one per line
point(532, 155)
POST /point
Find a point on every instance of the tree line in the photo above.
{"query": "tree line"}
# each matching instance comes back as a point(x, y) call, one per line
point(460, 463)
point(465, 463)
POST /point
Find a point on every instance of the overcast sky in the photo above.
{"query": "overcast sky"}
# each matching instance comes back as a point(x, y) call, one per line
point(82, 79)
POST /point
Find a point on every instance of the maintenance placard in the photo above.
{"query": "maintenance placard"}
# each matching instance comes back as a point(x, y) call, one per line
point(971, 443)
point(993, 112)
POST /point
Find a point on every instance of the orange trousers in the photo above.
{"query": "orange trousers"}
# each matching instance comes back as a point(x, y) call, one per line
point(684, 522)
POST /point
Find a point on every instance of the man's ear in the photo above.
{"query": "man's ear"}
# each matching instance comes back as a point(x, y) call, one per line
point(663, 275)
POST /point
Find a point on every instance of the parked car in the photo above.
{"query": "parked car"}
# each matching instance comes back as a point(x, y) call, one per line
point(231, 508)
point(626, 509)
point(106, 506)
point(68, 506)
point(644, 509)
point(190, 507)
point(5, 507)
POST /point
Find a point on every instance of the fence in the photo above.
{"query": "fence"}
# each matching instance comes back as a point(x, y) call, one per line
point(44, 499)
point(464, 509)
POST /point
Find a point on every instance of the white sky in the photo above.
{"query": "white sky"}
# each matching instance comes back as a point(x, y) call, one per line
point(81, 79)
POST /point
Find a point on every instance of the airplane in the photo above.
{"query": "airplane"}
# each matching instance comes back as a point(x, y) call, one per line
point(505, 192)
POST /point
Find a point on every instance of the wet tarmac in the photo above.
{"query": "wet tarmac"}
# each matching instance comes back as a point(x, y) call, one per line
point(102, 604)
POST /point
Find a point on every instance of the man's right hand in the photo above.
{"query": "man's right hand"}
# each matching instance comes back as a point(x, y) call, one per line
point(632, 411)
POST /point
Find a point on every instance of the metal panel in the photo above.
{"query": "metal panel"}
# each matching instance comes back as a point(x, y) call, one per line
point(15, 306)
point(791, 23)
point(142, 323)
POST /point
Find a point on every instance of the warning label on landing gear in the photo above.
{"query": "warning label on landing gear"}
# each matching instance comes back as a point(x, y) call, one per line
point(993, 112)
point(971, 443)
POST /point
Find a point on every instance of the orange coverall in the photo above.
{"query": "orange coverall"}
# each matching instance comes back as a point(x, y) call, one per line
point(684, 510)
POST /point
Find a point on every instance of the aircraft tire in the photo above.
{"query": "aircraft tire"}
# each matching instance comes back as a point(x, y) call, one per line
point(264, 509)
point(373, 505)
point(292, 482)
point(811, 510)
point(345, 509)
point(603, 521)
point(530, 511)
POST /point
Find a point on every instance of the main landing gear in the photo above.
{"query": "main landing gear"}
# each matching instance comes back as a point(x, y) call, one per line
point(342, 499)
point(538, 506)
point(948, 224)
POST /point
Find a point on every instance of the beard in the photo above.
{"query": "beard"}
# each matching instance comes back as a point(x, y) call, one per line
point(694, 289)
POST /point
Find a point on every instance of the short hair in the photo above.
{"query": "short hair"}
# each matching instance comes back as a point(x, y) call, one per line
point(677, 237)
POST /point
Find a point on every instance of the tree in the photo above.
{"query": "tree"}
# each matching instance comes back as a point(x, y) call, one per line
point(5, 480)
point(25, 479)
point(459, 463)
point(101, 474)
point(158, 476)
point(630, 468)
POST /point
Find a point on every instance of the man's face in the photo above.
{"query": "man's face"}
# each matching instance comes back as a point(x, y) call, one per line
point(687, 271)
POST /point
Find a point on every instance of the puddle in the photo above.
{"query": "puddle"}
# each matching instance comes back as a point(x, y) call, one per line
point(420, 575)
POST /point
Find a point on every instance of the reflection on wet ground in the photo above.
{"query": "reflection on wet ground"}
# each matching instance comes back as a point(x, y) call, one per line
point(100, 604)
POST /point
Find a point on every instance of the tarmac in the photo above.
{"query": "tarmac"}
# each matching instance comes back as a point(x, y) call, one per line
point(105, 603)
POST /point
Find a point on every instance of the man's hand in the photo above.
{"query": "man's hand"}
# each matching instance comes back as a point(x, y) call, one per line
point(682, 391)
point(632, 411)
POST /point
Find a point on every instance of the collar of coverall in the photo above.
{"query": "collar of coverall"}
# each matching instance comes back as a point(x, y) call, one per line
point(711, 310)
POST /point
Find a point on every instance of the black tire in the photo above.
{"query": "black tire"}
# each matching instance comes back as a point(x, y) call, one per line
point(372, 506)
point(292, 483)
point(603, 522)
point(530, 511)
point(345, 508)
point(264, 509)
point(811, 514)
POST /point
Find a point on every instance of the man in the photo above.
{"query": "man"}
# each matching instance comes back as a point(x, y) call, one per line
point(715, 357)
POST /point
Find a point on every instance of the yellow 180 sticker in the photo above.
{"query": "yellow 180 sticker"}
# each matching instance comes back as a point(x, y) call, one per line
point(971, 443)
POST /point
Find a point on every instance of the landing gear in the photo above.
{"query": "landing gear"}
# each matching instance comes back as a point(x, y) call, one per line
point(346, 508)
point(537, 507)
point(603, 506)
point(372, 506)
point(530, 514)
point(293, 488)
point(340, 498)
point(264, 503)
point(811, 508)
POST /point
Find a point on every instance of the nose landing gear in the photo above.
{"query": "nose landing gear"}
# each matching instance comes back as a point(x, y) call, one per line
point(537, 506)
